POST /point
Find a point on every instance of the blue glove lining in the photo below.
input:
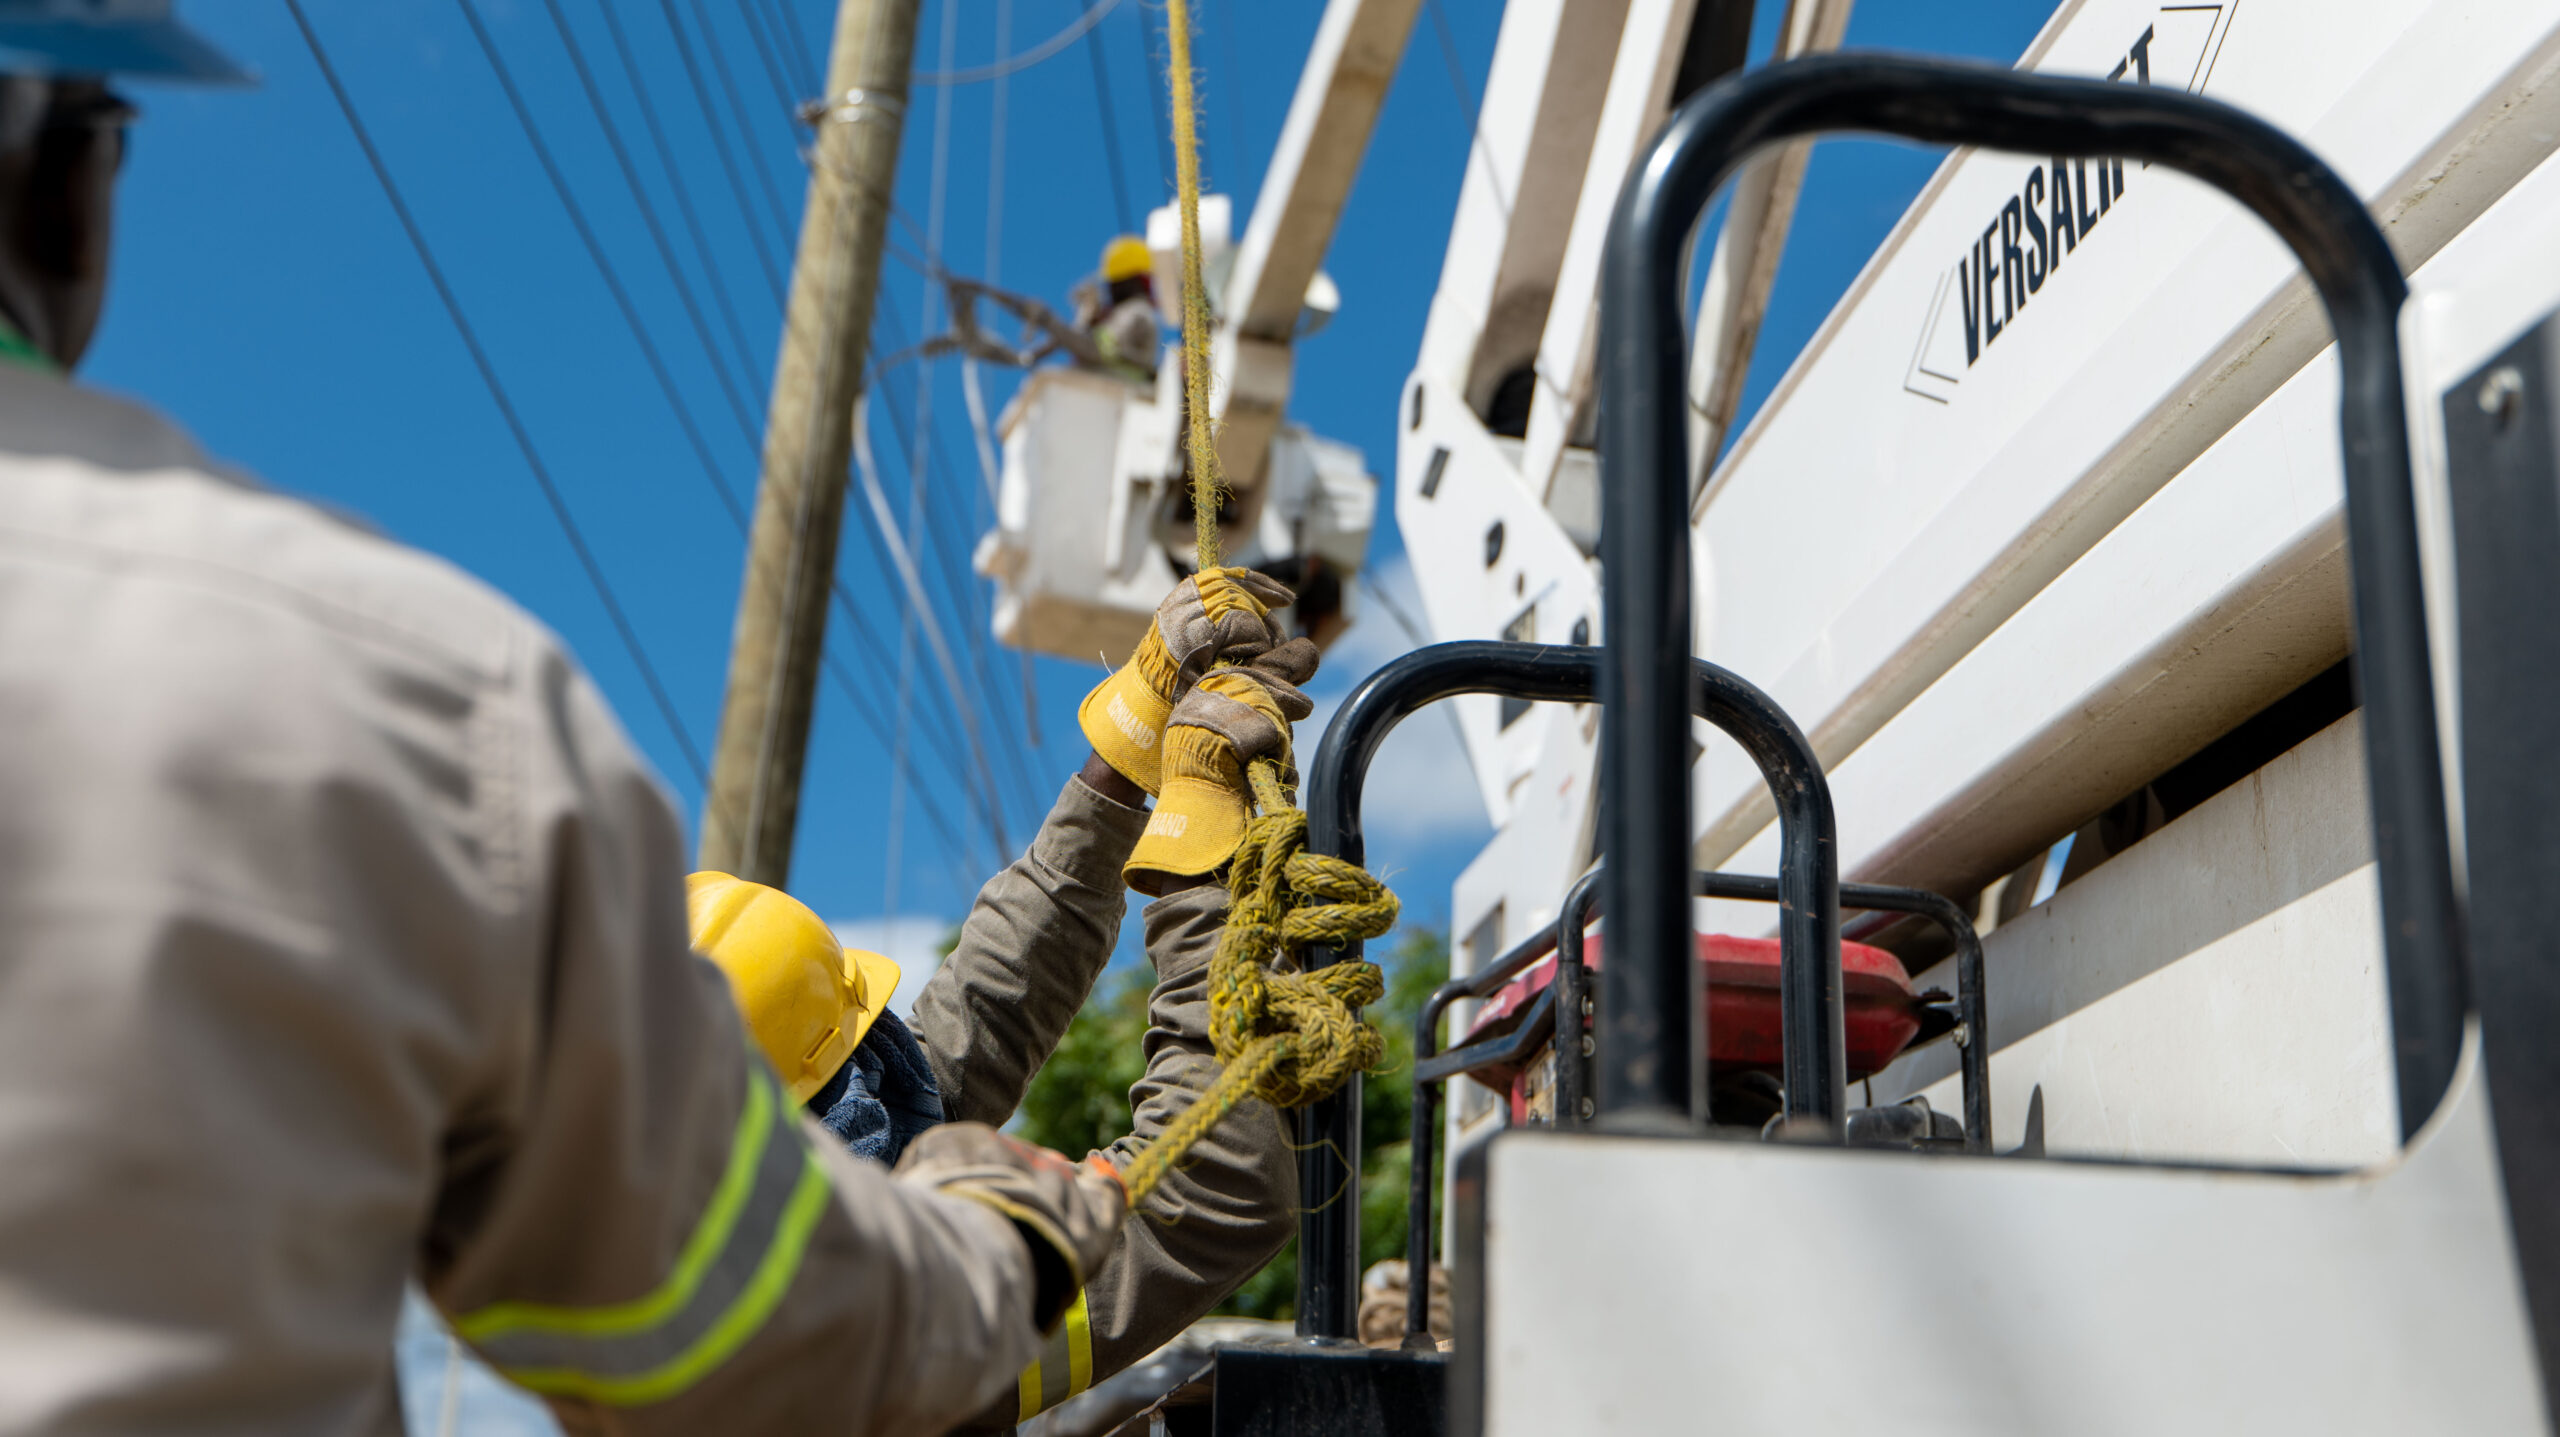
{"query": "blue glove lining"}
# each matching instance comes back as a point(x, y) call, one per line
point(883, 1096)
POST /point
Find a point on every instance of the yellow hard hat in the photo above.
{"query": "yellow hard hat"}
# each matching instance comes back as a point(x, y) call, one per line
point(806, 998)
point(1126, 257)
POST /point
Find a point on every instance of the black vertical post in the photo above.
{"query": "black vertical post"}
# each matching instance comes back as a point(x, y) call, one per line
point(2502, 443)
point(1648, 1001)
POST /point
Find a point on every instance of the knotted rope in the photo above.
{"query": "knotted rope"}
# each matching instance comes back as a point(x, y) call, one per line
point(1286, 1037)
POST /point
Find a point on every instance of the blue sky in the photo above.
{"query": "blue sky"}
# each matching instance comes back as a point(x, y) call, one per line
point(266, 297)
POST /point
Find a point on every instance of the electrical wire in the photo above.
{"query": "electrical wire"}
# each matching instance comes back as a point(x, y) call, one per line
point(973, 768)
point(753, 14)
point(756, 233)
point(940, 542)
point(1395, 609)
point(862, 630)
point(1467, 99)
point(919, 609)
point(926, 265)
point(650, 222)
point(719, 53)
point(798, 35)
point(666, 161)
point(1155, 107)
point(1110, 131)
point(1076, 29)
point(904, 561)
point(631, 317)
point(603, 263)
point(953, 589)
point(998, 115)
point(1234, 80)
point(498, 394)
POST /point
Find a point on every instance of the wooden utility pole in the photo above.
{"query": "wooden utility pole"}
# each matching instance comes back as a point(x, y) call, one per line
point(753, 806)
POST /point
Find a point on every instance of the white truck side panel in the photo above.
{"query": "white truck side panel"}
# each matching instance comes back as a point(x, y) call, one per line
point(2223, 591)
point(2212, 994)
point(1647, 1286)
point(1951, 493)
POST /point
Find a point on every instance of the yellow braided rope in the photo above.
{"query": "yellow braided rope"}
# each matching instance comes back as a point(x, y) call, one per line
point(1207, 485)
point(1285, 1037)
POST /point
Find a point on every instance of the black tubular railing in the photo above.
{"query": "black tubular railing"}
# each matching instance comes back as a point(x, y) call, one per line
point(1809, 927)
point(1644, 533)
point(1561, 1013)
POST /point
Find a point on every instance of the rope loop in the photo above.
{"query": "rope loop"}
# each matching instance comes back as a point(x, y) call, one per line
point(1284, 1036)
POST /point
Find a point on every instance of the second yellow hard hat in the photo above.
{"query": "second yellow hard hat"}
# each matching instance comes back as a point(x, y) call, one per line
point(806, 998)
point(1126, 257)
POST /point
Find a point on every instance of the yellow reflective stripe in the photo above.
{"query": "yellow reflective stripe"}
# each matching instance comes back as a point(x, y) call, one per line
point(1075, 1333)
point(1079, 1347)
point(710, 1235)
point(1028, 1389)
point(763, 1293)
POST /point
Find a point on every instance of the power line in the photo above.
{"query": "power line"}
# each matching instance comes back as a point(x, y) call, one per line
point(1467, 99)
point(998, 116)
point(1234, 79)
point(1015, 64)
point(738, 114)
point(720, 143)
point(934, 540)
point(630, 313)
point(1155, 104)
point(498, 394)
point(666, 161)
point(603, 263)
point(1110, 130)
point(864, 635)
point(810, 75)
point(946, 568)
point(919, 610)
point(929, 265)
point(943, 564)
point(754, 15)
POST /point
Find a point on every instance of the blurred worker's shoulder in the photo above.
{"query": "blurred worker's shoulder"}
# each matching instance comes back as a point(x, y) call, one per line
point(101, 495)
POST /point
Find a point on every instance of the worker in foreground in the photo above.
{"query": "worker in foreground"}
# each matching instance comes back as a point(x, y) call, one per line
point(1027, 958)
point(346, 943)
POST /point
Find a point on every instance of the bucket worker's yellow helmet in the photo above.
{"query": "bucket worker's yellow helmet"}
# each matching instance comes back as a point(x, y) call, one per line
point(1126, 257)
point(806, 998)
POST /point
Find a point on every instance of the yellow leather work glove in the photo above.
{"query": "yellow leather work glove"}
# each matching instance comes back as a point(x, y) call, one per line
point(1228, 720)
point(1068, 1213)
point(1217, 614)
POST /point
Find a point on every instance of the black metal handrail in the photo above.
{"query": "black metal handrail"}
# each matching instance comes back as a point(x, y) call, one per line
point(1560, 1012)
point(1644, 533)
point(1809, 930)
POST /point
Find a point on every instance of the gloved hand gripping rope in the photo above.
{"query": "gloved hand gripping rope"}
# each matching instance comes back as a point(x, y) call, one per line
point(1288, 1038)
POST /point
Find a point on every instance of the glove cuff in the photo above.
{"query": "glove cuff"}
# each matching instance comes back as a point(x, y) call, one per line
point(1197, 826)
point(1123, 718)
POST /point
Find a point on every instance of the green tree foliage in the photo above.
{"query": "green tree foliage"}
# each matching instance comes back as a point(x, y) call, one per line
point(1080, 1101)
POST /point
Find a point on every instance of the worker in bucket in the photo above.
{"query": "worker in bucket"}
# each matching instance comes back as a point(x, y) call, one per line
point(1028, 956)
point(347, 945)
point(1117, 309)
